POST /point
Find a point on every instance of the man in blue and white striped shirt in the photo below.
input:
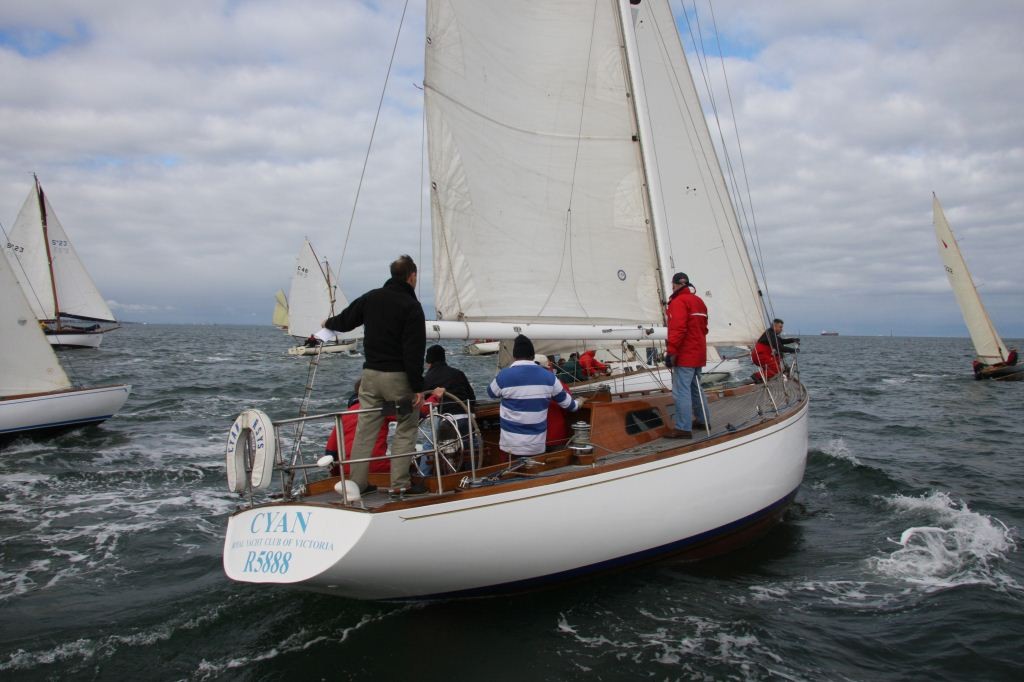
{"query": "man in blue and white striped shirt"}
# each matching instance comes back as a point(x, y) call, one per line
point(525, 389)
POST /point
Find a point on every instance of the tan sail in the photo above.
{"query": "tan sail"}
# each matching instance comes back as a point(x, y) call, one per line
point(987, 344)
point(280, 319)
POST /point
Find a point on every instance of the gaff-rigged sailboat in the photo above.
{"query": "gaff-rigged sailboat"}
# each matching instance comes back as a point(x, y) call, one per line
point(994, 360)
point(313, 297)
point(35, 393)
point(571, 173)
point(63, 296)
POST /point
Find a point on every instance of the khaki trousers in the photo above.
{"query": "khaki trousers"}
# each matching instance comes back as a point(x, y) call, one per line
point(375, 388)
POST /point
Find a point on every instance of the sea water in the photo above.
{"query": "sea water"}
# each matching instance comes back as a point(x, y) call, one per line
point(900, 560)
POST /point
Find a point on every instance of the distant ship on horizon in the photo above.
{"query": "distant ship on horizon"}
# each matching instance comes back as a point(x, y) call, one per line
point(825, 332)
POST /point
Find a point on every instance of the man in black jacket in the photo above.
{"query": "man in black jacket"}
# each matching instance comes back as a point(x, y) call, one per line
point(394, 338)
point(452, 380)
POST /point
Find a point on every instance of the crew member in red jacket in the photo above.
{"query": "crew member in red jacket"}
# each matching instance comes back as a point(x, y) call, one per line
point(591, 366)
point(348, 423)
point(768, 351)
point(686, 354)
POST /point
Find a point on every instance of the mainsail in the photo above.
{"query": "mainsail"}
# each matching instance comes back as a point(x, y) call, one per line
point(312, 295)
point(987, 344)
point(27, 363)
point(546, 179)
point(51, 274)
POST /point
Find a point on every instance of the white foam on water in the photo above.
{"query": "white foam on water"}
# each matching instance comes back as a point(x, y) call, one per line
point(838, 449)
point(298, 641)
point(955, 546)
point(895, 381)
point(90, 650)
point(684, 644)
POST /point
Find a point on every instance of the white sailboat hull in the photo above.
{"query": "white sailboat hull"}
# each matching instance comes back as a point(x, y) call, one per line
point(60, 409)
point(483, 348)
point(72, 340)
point(531, 536)
point(348, 348)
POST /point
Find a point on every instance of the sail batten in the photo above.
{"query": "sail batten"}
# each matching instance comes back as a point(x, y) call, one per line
point(987, 343)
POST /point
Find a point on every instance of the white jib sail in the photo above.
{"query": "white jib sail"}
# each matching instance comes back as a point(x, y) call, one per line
point(987, 344)
point(693, 209)
point(27, 363)
point(72, 287)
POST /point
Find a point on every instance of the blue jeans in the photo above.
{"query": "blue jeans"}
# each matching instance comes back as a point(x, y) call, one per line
point(688, 396)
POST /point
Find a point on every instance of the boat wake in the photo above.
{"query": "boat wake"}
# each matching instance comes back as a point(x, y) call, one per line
point(953, 547)
point(683, 644)
point(297, 642)
point(85, 652)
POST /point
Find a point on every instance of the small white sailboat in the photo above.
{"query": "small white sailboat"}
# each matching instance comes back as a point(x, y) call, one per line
point(994, 360)
point(56, 284)
point(574, 125)
point(313, 297)
point(35, 393)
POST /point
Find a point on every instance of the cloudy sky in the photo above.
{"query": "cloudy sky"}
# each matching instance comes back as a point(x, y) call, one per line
point(187, 148)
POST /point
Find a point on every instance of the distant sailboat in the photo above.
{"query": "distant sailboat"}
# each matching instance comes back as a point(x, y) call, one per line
point(56, 284)
point(314, 296)
point(280, 319)
point(994, 360)
point(35, 393)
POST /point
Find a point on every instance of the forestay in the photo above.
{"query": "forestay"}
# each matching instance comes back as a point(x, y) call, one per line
point(27, 363)
point(987, 344)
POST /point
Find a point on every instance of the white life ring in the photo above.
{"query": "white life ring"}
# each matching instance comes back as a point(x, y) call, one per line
point(255, 425)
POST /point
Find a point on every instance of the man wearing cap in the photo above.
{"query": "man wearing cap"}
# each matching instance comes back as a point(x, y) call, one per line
point(525, 389)
point(454, 383)
point(452, 380)
point(686, 354)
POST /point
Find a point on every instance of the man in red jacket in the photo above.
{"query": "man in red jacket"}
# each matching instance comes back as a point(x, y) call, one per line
point(686, 354)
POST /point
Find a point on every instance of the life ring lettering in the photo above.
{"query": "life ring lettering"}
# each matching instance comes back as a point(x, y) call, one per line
point(255, 427)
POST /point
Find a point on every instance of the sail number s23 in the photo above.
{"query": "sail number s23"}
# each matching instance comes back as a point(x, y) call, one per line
point(266, 561)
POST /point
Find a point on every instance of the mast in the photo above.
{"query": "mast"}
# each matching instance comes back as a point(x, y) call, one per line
point(652, 184)
point(46, 243)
